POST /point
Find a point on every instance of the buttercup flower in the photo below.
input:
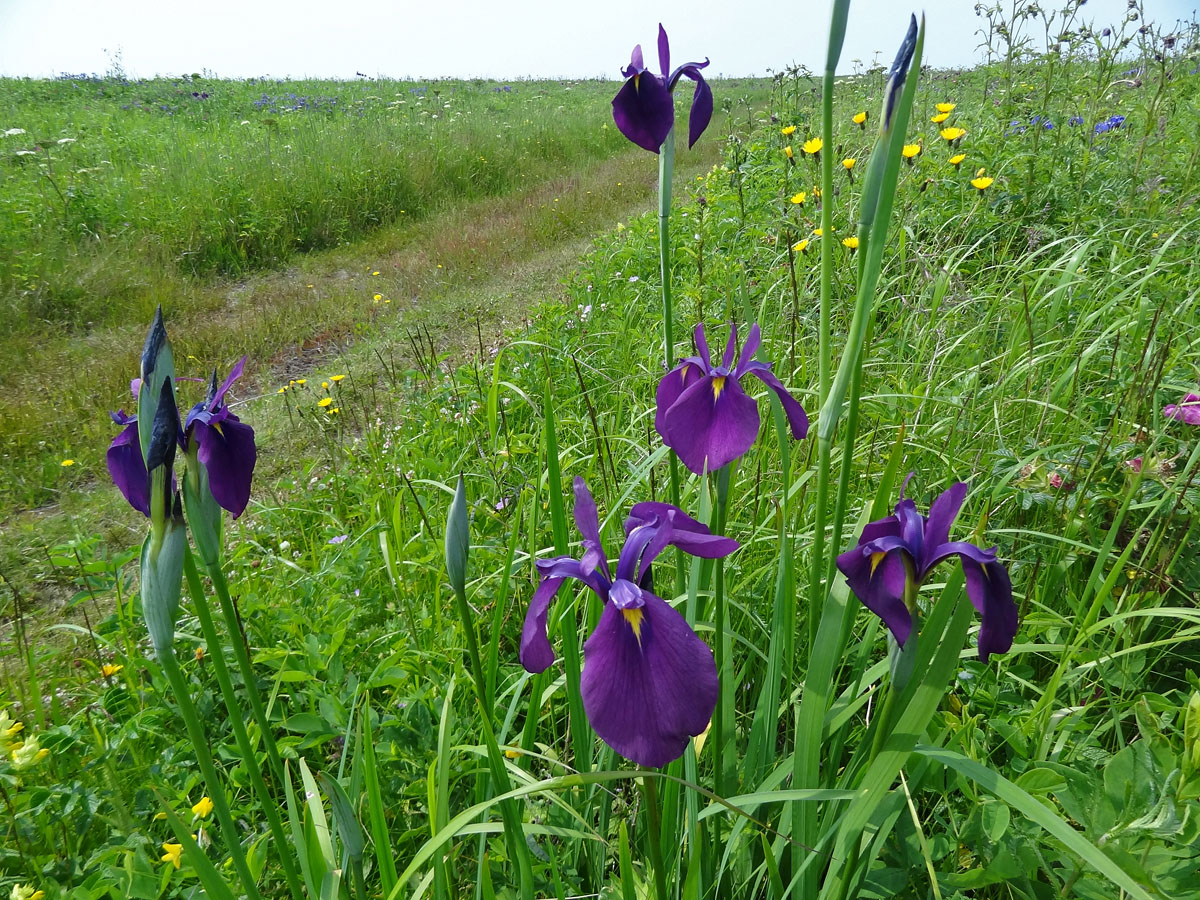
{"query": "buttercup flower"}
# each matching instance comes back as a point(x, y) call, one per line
point(1187, 410)
point(950, 135)
point(957, 159)
point(911, 152)
point(981, 182)
point(946, 107)
point(799, 198)
point(895, 555)
point(859, 119)
point(800, 246)
point(851, 242)
point(813, 146)
point(939, 118)
point(788, 131)
point(643, 109)
point(848, 163)
point(705, 416)
point(648, 682)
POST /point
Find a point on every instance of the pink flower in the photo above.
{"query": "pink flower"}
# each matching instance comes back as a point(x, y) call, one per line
point(1187, 411)
point(1135, 464)
point(1055, 479)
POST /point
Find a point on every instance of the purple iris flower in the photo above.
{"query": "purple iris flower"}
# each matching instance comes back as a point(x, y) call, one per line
point(223, 444)
point(704, 415)
point(1186, 410)
point(895, 555)
point(648, 683)
point(643, 108)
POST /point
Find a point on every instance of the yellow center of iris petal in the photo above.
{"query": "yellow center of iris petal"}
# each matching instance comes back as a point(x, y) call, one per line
point(876, 559)
point(217, 428)
point(718, 385)
point(636, 81)
point(634, 618)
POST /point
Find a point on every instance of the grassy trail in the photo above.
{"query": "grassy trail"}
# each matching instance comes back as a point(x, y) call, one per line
point(454, 277)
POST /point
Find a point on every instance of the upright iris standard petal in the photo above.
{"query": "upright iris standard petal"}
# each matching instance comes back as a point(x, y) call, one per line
point(648, 684)
point(703, 413)
point(126, 466)
point(895, 555)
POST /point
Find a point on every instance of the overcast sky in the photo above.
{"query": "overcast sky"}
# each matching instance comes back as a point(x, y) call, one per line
point(468, 38)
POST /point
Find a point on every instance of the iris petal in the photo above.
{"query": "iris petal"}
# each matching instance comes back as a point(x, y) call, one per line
point(709, 430)
point(796, 416)
point(942, 514)
point(669, 389)
point(128, 469)
point(878, 579)
point(649, 683)
point(226, 449)
point(702, 107)
point(664, 50)
point(536, 652)
point(990, 590)
point(643, 111)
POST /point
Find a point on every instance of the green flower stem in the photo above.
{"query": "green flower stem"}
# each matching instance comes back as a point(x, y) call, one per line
point(654, 823)
point(718, 723)
point(666, 169)
point(268, 803)
point(216, 790)
point(242, 655)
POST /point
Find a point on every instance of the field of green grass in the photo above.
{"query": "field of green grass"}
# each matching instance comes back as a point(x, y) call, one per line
point(1032, 332)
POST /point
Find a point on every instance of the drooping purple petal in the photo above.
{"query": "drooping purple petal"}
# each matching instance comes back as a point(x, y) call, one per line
point(942, 514)
point(796, 416)
point(990, 590)
point(643, 111)
point(878, 580)
point(702, 106)
point(127, 467)
point(664, 50)
point(671, 386)
point(1186, 411)
point(712, 423)
point(676, 529)
point(226, 449)
point(536, 653)
point(649, 683)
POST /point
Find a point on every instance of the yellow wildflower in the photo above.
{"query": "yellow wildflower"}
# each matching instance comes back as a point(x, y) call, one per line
point(375, 272)
point(911, 151)
point(325, 401)
point(378, 297)
point(850, 242)
point(110, 669)
point(848, 163)
point(199, 654)
point(860, 119)
point(957, 160)
point(800, 246)
point(325, 385)
point(333, 411)
point(301, 381)
point(203, 808)
point(282, 390)
point(818, 231)
point(788, 131)
point(25, 892)
point(939, 118)
point(28, 754)
point(952, 134)
point(799, 198)
point(336, 378)
point(813, 146)
point(787, 151)
point(67, 463)
point(981, 183)
point(946, 107)
point(172, 854)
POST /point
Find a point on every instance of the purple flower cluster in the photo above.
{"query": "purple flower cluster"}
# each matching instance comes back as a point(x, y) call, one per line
point(294, 103)
point(1109, 124)
point(1075, 120)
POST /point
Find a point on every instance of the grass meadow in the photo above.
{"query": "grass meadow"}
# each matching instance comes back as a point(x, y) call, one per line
point(1030, 329)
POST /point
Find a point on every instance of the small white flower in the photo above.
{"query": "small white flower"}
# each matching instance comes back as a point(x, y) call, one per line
point(66, 140)
point(633, 279)
point(14, 131)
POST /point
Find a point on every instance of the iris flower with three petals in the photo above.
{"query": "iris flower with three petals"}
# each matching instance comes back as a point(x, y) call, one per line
point(705, 416)
point(896, 554)
point(648, 682)
point(644, 110)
